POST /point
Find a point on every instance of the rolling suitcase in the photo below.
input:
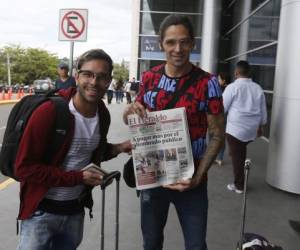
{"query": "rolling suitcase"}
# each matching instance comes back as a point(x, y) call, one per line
point(251, 241)
point(115, 175)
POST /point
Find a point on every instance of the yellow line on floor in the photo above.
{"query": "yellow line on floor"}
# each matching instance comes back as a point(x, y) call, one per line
point(6, 183)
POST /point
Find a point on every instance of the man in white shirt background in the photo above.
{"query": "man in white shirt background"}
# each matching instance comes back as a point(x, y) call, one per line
point(245, 105)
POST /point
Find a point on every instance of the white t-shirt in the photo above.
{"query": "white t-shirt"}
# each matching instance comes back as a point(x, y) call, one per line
point(245, 103)
point(127, 87)
point(85, 140)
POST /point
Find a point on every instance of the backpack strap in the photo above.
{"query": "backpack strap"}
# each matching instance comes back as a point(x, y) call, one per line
point(103, 131)
point(62, 124)
point(178, 93)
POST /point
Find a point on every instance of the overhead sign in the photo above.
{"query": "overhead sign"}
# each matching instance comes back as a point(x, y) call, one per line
point(73, 25)
point(149, 47)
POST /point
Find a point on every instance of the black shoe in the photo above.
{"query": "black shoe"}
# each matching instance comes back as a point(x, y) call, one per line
point(295, 225)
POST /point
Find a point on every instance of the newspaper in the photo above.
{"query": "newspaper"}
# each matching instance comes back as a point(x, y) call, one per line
point(163, 152)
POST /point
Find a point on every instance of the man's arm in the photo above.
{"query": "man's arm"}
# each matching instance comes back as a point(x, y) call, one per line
point(216, 128)
point(263, 110)
point(123, 147)
point(227, 98)
point(264, 116)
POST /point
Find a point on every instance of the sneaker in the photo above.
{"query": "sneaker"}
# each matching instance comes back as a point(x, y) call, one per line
point(219, 162)
point(232, 187)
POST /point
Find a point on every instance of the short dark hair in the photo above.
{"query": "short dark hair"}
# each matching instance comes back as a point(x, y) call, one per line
point(176, 20)
point(224, 76)
point(243, 68)
point(95, 54)
point(63, 65)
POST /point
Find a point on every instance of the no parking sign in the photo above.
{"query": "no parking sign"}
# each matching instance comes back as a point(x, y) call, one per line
point(73, 25)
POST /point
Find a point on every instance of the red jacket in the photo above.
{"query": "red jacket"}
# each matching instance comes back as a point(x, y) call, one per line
point(36, 177)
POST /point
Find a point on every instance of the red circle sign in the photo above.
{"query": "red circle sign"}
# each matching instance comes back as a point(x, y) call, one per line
point(74, 29)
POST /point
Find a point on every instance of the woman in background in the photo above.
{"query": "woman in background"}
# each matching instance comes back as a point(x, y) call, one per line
point(224, 80)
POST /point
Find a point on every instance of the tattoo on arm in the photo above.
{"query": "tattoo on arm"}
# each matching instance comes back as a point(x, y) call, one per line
point(216, 129)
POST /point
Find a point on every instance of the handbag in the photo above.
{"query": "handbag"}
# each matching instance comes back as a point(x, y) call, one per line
point(128, 173)
point(128, 170)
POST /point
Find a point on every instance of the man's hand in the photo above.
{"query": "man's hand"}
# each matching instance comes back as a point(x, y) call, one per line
point(134, 108)
point(125, 147)
point(92, 178)
point(183, 185)
point(260, 131)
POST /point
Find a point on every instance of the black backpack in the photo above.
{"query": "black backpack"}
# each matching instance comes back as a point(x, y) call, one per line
point(17, 122)
point(134, 86)
point(253, 241)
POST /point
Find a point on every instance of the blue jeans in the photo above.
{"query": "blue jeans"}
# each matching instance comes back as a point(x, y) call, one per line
point(45, 231)
point(191, 207)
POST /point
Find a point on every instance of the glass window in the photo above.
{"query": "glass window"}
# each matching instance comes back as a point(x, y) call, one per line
point(150, 23)
point(256, 3)
point(264, 24)
point(227, 7)
point(263, 28)
point(270, 9)
point(262, 56)
point(264, 76)
point(146, 65)
point(190, 6)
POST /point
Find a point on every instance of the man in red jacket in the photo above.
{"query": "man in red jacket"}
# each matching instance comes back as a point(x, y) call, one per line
point(53, 195)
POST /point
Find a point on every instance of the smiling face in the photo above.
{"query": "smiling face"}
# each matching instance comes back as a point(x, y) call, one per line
point(92, 80)
point(177, 44)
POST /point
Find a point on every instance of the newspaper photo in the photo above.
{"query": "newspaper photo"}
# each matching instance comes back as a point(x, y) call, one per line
point(162, 151)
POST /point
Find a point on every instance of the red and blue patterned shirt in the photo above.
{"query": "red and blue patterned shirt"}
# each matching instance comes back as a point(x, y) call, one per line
point(202, 97)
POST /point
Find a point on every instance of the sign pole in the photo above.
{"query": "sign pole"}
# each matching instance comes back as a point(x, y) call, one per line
point(73, 28)
point(8, 70)
point(71, 58)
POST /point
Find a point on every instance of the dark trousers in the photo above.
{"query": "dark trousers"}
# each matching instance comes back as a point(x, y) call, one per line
point(238, 152)
point(128, 97)
point(191, 207)
point(110, 95)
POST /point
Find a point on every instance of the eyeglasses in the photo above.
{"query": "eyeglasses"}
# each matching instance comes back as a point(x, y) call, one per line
point(89, 75)
point(183, 43)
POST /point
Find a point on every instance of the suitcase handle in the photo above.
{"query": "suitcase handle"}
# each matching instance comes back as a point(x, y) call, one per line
point(247, 164)
point(246, 173)
point(109, 177)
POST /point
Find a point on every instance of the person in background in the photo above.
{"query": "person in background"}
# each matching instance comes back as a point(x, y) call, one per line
point(54, 192)
point(119, 90)
point(203, 103)
point(127, 92)
point(64, 81)
point(223, 79)
point(134, 88)
point(110, 91)
point(245, 106)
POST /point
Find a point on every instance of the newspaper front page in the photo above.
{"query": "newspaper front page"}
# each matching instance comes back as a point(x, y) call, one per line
point(163, 152)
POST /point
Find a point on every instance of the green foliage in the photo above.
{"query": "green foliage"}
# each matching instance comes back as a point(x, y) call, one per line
point(27, 65)
point(120, 71)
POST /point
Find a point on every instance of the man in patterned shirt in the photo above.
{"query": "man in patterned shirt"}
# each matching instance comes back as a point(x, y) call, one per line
point(203, 103)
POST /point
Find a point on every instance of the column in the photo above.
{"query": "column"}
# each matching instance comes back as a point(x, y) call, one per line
point(136, 6)
point(283, 170)
point(210, 35)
